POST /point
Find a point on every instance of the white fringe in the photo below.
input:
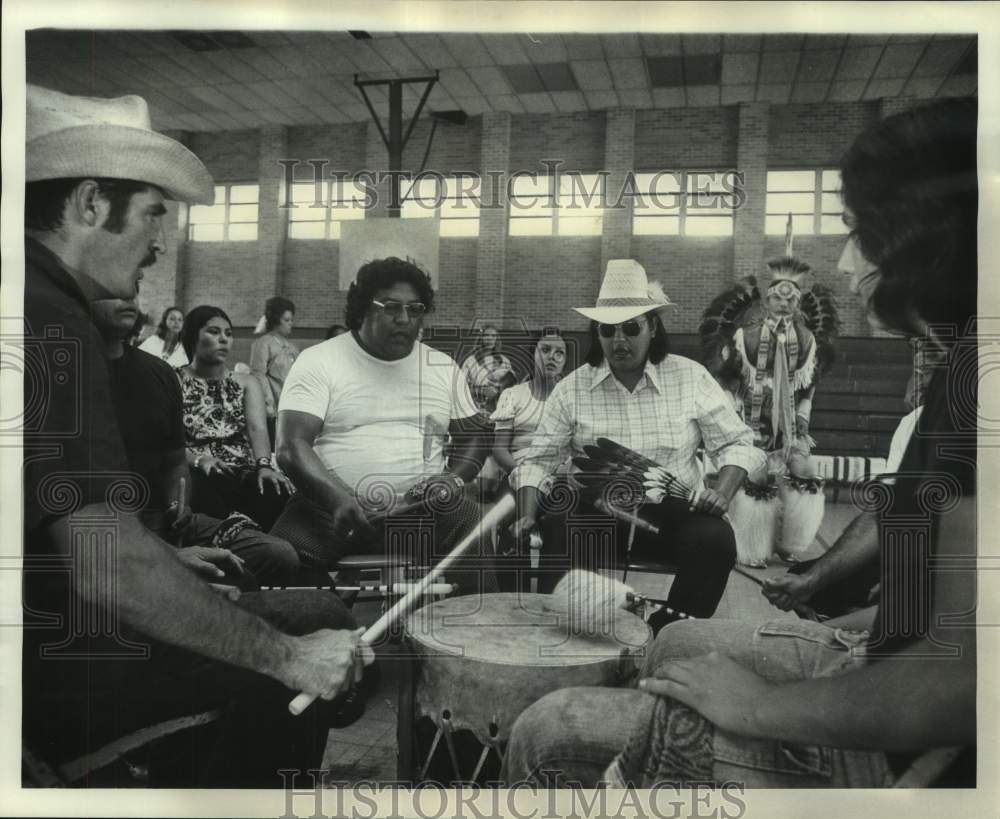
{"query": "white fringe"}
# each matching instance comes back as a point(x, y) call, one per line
point(755, 525)
point(589, 601)
point(803, 377)
point(802, 519)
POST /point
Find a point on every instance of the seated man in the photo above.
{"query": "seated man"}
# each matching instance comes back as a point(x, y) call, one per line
point(117, 633)
point(665, 407)
point(362, 425)
point(801, 704)
point(148, 408)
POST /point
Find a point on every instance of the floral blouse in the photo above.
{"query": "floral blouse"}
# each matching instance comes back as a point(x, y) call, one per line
point(215, 421)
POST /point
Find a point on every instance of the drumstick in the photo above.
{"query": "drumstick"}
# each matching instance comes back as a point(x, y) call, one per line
point(494, 517)
point(395, 588)
point(629, 517)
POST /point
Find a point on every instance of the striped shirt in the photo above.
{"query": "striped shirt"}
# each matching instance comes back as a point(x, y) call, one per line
point(676, 407)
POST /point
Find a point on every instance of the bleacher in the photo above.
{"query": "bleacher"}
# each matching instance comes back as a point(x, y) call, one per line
point(855, 411)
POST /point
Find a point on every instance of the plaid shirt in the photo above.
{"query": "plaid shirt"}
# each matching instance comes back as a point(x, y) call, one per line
point(675, 408)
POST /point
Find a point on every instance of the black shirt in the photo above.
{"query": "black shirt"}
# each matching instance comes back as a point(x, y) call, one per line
point(938, 469)
point(148, 405)
point(73, 456)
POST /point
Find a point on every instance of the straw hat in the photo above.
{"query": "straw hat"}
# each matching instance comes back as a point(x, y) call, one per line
point(625, 294)
point(71, 137)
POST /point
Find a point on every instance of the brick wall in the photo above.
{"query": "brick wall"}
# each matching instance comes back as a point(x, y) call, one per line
point(813, 135)
point(576, 139)
point(686, 138)
point(692, 271)
point(548, 276)
point(539, 279)
point(230, 156)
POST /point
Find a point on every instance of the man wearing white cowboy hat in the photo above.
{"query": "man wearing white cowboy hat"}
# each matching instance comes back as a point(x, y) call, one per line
point(118, 634)
point(664, 407)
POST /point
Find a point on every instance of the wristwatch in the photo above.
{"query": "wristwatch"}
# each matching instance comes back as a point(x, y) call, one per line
point(263, 463)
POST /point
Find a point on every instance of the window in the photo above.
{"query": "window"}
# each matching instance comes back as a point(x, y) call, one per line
point(812, 198)
point(339, 201)
point(453, 200)
point(580, 210)
point(683, 203)
point(233, 217)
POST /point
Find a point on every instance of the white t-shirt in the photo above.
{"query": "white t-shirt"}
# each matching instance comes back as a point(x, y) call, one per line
point(901, 438)
point(154, 345)
point(383, 421)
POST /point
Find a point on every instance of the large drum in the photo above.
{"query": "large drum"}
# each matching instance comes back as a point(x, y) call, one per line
point(479, 661)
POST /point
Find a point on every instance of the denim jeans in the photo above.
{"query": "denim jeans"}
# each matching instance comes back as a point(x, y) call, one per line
point(572, 735)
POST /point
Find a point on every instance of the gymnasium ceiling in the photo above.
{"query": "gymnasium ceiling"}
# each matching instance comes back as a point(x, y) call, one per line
point(211, 81)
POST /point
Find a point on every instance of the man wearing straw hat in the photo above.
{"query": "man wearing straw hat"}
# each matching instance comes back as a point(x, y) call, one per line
point(117, 634)
point(662, 406)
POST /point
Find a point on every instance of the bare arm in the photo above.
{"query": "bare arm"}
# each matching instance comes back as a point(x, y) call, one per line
point(175, 469)
point(256, 415)
point(470, 438)
point(502, 439)
point(297, 432)
point(730, 479)
point(856, 547)
point(158, 596)
point(904, 702)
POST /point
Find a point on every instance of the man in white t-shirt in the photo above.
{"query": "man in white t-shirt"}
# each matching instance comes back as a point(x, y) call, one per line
point(363, 422)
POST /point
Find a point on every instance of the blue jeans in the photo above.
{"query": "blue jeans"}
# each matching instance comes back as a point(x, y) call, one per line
point(572, 735)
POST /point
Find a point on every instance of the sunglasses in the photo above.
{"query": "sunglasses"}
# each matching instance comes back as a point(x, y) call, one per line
point(630, 328)
point(415, 309)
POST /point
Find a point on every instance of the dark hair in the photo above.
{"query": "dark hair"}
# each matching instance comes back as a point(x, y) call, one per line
point(274, 308)
point(335, 330)
point(379, 275)
point(194, 321)
point(910, 182)
point(659, 344)
point(45, 201)
point(161, 328)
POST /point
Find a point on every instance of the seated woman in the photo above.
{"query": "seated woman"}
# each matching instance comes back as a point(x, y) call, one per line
point(852, 702)
point(485, 369)
point(519, 408)
point(225, 427)
point(165, 343)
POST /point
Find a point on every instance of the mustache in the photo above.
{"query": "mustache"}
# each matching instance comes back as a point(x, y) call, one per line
point(149, 259)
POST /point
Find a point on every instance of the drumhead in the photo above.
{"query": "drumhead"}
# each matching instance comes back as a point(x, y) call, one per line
point(519, 630)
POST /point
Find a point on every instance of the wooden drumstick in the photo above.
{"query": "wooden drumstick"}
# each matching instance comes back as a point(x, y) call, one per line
point(629, 517)
point(504, 507)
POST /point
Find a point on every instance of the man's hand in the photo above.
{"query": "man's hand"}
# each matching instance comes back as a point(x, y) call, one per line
point(788, 590)
point(440, 490)
point(325, 663)
point(276, 479)
point(710, 502)
point(349, 519)
point(207, 561)
point(519, 533)
point(716, 687)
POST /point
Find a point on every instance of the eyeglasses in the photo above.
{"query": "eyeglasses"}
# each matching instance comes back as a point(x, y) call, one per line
point(630, 328)
point(393, 309)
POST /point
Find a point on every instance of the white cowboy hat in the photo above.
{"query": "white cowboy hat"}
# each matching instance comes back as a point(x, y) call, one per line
point(625, 294)
point(71, 137)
